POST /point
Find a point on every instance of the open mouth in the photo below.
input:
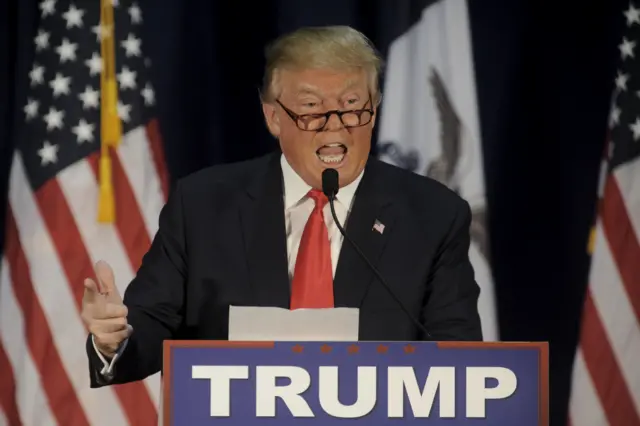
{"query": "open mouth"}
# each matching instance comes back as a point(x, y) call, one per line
point(332, 153)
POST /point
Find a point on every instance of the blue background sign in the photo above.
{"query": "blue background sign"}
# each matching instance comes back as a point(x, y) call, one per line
point(187, 399)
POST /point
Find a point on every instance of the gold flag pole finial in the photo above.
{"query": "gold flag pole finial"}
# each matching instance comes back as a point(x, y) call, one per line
point(110, 126)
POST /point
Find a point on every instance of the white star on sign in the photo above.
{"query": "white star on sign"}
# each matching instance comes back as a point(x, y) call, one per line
point(94, 64)
point(132, 45)
point(36, 74)
point(73, 16)
point(31, 109)
point(635, 128)
point(42, 40)
point(48, 153)
point(89, 98)
point(621, 81)
point(632, 15)
point(148, 95)
point(626, 48)
point(48, 7)
point(135, 13)
point(84, 131)
point(60, 85)
point(54, 119)
point(127, 79)
point(67, 51)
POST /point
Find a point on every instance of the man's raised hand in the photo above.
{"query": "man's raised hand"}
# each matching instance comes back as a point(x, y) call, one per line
point(103, 311)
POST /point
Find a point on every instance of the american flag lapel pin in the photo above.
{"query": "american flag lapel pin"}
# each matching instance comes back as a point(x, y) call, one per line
point(378, 226)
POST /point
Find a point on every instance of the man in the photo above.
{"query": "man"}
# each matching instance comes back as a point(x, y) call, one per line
point(260, 233)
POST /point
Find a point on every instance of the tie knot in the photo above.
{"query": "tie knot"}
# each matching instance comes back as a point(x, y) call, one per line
point(319, 198)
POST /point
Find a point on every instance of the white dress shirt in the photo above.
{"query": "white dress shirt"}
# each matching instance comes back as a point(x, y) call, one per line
point(297, 209)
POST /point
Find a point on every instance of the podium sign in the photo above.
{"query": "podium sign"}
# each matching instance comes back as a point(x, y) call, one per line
point(367, 383)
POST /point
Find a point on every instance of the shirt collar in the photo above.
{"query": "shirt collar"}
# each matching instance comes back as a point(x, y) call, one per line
point(295, 188)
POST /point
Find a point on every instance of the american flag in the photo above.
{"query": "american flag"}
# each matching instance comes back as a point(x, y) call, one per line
point(53, 237)
point(378, 226)
point(606, 375)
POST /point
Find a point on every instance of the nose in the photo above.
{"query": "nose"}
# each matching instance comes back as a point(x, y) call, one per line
point(334, 123)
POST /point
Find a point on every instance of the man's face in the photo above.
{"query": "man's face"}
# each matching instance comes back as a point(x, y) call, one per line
point(336, 146)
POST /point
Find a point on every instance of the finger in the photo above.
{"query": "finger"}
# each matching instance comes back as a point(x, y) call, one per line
point(109, 311)
point(108, 325)
point(111, 339)
point(114, 311)
point(91, 291)
point(107, 281)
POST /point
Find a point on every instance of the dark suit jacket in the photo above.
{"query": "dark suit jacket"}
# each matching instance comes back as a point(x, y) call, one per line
point(222, 242)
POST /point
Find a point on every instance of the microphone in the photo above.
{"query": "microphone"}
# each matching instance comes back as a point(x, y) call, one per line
point(330, 186)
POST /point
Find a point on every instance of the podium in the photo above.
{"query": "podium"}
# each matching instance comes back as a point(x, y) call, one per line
point(365, 383)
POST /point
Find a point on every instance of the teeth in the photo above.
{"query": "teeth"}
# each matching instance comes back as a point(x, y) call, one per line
point(331, 158)
point(334, 144)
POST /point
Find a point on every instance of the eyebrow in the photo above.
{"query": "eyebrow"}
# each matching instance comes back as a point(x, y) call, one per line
point(307, 89)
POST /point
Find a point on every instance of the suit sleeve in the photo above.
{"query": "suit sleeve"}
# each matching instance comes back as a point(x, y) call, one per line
point(451, 311)
point(155, 302)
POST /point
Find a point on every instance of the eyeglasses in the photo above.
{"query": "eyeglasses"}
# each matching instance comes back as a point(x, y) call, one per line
point(316, 122)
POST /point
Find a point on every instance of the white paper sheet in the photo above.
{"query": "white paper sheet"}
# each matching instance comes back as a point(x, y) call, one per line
point(251, 323)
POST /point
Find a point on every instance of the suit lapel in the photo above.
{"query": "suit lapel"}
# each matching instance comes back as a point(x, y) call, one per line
point(264, 235)
point(371, 204)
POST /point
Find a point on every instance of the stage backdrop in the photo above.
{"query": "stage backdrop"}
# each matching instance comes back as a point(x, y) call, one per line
point(533, 104)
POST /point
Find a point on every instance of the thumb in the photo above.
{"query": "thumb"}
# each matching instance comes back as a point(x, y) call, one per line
point(107, 282)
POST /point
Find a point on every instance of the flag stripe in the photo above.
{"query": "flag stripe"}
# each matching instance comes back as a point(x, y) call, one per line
point(624, 244)
point(61, 226)
point(132, 234)
point(129, 223)
point(79, 186)
point(4, 420)
point(616, 313)
point(8, 405)
point(157, 152)
point(29, 404)
point(628, 180)
point(55, 381)
point(604, 370)
point(141, 172)
point(140, 169)
point(590, 412)
point(43, 269)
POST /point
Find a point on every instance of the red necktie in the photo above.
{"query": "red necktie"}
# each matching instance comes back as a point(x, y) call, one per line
point(312, 285)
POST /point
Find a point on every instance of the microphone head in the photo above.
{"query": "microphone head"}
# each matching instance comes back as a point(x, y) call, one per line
point(330, 185)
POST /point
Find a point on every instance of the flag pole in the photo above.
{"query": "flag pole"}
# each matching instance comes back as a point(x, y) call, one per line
point(110, 126)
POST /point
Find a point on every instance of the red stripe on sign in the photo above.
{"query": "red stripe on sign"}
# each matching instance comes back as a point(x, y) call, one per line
point(157, 153)
point(603, 367)
point(62, 398)
point(625, 248)
point(8, 390)
point(129, 222)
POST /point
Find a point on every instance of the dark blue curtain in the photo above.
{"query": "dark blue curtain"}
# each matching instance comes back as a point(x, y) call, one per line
point(544, 77)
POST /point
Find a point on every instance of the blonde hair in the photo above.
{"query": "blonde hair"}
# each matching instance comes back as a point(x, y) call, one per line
point(331, 47)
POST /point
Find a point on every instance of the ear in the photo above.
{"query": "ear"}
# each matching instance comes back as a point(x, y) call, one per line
point(271, 118)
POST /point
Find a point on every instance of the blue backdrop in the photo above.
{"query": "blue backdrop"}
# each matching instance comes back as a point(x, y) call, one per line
point(544, 78)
